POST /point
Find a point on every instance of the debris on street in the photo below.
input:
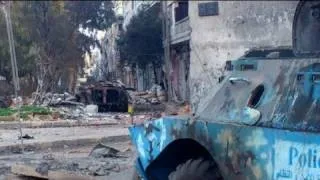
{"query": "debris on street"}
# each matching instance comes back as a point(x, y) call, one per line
point(26, 136)
point(91, 109)
point(102, 150)
point(83, 152)
point(80, 167)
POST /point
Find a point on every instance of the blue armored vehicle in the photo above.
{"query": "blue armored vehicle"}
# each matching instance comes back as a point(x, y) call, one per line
point(262, 122)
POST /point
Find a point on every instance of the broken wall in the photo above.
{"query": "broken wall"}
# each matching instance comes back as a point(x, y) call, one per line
point(237, 27)
point(179, 75)
point(127, 76)
point(147, 76)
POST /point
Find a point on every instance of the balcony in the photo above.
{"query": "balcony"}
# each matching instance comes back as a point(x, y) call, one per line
point(180, 31)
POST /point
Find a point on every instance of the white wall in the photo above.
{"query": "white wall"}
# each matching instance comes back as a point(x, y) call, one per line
point(118, 7)
point(128, 11)
point(239, 26)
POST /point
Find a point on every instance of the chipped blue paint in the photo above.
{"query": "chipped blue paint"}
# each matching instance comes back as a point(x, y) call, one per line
point(268, 141)
point(265, 153)
point(247, 142)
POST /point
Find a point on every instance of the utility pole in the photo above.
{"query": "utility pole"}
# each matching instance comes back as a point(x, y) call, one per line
point(15, 77)
point(166, 45)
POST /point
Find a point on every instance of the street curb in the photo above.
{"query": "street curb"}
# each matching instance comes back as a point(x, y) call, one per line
point(59, 145)
point(54, 124)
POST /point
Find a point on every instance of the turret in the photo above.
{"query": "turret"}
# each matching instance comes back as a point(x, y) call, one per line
point(306, 29)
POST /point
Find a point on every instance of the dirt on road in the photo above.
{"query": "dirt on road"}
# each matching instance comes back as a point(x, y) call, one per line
point(68, 149)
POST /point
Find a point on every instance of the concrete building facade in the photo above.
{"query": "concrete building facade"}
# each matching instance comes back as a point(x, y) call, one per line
point(218, 31)
point(109, 65)
point(177, 37)
point(110, 52)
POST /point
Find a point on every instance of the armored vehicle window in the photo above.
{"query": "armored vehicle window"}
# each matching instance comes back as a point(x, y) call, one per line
point(256, 95)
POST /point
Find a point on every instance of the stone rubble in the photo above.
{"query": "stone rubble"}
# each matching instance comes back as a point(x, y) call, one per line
point(155, 95)
point(91, 109)
point(93, 165)
point(55, 99)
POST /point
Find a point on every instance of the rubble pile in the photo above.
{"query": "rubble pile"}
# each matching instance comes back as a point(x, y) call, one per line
point(65, 105)
point(73, 112)
point(86, 166)
point(56, 99)
point(155, 95)
point(68, 106)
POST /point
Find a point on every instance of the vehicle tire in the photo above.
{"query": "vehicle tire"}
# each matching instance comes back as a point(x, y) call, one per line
point(198, 169)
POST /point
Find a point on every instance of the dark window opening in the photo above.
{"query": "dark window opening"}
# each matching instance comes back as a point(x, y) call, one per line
point(256, 95)
point(112, 96)
point(316, 77)
point(181, 11)
point(300, 77)
point(229, 66)
point(97, 96)
point(120, 27)
point(245, 67)
point(208, 9)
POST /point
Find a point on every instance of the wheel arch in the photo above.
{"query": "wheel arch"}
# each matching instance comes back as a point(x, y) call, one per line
point(175, 153)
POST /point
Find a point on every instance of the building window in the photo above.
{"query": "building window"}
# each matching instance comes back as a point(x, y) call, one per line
point(208, 9)
point(181, 11)
point(120, 27)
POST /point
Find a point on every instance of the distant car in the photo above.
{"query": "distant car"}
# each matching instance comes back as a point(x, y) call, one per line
point(105, 95)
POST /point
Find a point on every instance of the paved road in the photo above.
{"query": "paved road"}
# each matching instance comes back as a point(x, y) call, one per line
point(78, 156)
point(9, 138)
point(124, 175)
point(42, 135)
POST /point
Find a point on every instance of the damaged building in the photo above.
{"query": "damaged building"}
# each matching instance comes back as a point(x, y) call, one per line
point(203, 35)
point(199, 37)
point(110, 63)
point(133, 75)
point(177, 39)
